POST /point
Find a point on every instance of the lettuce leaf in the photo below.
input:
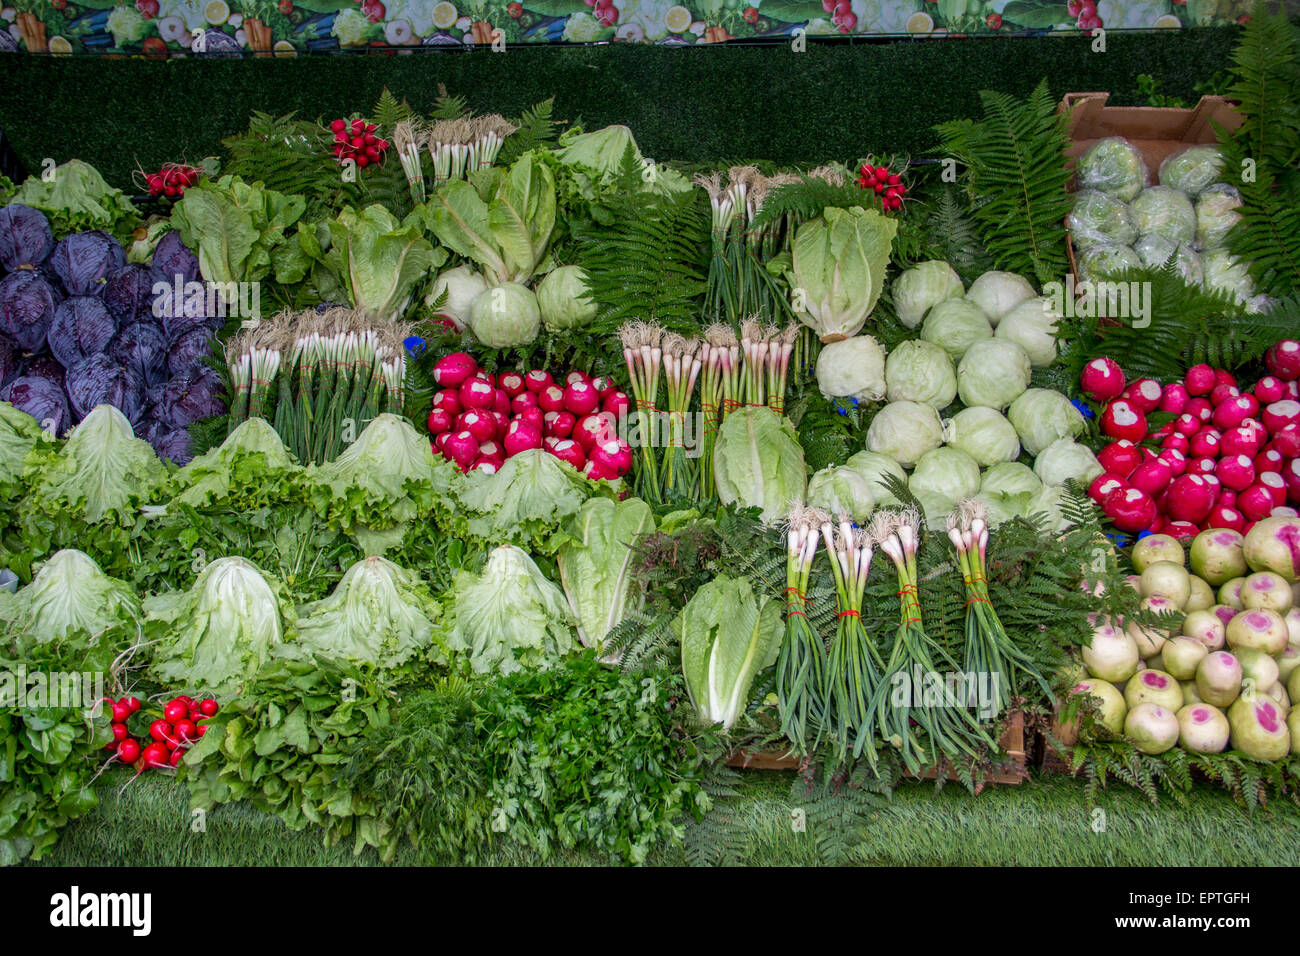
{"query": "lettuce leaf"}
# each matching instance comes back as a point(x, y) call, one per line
point(250, 469)
point(69, 597)
point(759, 463)
point(524, 502)
point(379, 260)
point(19, 434)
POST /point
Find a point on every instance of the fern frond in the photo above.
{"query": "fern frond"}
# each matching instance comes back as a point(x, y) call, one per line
point(536, 129)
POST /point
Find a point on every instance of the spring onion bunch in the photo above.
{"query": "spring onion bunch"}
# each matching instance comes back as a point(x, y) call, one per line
point(801, 664)
point(643, 355)
point(459, 147)
point(681, 364)
point(407, 137)
point(719, 378)
point(739, 283)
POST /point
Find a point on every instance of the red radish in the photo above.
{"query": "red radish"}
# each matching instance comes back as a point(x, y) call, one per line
point(1256, 502)
point(603, 384)
point(208, 707)
point(1287, 441)
point(521, 436)
point(512, 383)
point(580, 398)
point(1199, 380)
point(523, 400)
point(551, 398)
point(1190, 498)
point(186, 730)
point(1231, 413)
point(160, 730)
point(594, 428)
point(1130, 509)
point(120, 733)
point(538, 379)
point(1223, 377)
point(534, 417)
point(568, 450)
point(1122, 420)
point(1270, 459)
point(1163, 432)
point(133, 703)
point(1174, 398)
point(1276, 486)
point(1144, 394)
point(501, 401)
point(616, 403)
point(439, 421)
point(479, 424)
point(461, 447)
point(488, 466)
point(476, 393)
point(1119, 458)
point(1278, 415)
point(1270, 389)
point(1103, 485)
point(1202, 408)
point(1205, 443)
point(1182, 530)
point(1293, 389)
point(1147, 453)
point(550, 441)
point(454, 369)
point(175, 711)
point(490, 449)
point(1242, 440)
point(502, 420)
point(486, 376)
point(1283, 360)
point(1227, 498)
point(614, 456)
point(1102, 380)
point(177, 756)
point(1203, 466)
point(440, 442)
point(1151, 477)
point(156, 755)
point(576, 376)
point(448, 400)
point(120, 711)
point(128, 751)
point(1291, 477)
point(1223, 516)
point(559, 424)
point(1222, 393)
point(1176, 441)
point(1236, 472)
point(1175, 459)
point(593, 470)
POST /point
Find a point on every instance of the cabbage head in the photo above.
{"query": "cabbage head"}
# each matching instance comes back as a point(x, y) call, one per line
point(997, 293)
point(983, 434)
point(920, 288)
point(1106, 259)
point(1032, 325)
point(1193, 169)
point(955, 325)
point(942, 478)
point(525, 500)
point(920, 371)
point(874, 468)
point(852, 368)
point(904, 431)
point(1042, 416)
point(1165, 212)
point(1100, 217)
point(1216, 214)
point(564, 298)
point(759, 463)
point(69, 597)
point(505, 316)
point(1064, 459)
point(1225, 273)
point(1114, 166)
point(993, 373)
point(841, 490)
point(462, 286)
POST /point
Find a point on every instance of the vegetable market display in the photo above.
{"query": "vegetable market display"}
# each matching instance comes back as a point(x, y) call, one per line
point(513, 451)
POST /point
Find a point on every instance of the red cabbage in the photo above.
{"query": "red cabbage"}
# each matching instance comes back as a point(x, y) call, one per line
point(98, 380)
point(172, 444)
point(141, 346)
point(172, 259)
point(11, 358)
point(129, 291)
point(46, 366)
point(83, 261)
point(194, 394)
point(25, 237)
point(81, 326)
point(27, 304)
point(41, 399)
point(188, 349)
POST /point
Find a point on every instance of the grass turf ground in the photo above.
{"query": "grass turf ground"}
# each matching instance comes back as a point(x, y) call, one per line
point(1046, 821)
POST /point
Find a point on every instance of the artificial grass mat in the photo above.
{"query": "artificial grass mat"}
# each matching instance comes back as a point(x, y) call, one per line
point(1047, 821)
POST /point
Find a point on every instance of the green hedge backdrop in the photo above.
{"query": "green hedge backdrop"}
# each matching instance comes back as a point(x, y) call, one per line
point(698, 104)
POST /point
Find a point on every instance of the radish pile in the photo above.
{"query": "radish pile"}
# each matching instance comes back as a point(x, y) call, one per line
point(480, 419)
point(179, 728)
point(1228, 457)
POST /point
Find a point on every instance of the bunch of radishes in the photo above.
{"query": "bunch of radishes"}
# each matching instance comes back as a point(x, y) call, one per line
point(172, 180)
point(357, 141)
point(179, 728)
point(1227, 459)
point(479, 419)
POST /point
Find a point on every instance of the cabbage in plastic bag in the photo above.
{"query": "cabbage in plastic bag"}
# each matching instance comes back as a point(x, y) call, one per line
point(1193, 169)
point(1114, 166)
point(1216, 214)
point(1100, 217)
point(1165, 212)
point(1106, 259)
point(1225, 273)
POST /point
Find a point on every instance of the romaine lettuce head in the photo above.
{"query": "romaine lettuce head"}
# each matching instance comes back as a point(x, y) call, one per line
point(993, 372)
point(379, 614)
point(505, 316)
point(595, 564)
point(380, 260)
point(942, 478)
point(564, 298)
point(727, 635)
point(1165, 212)
point(920, 371)
point(873, 467)
point(215, 636)
point(838, 269)
point(1042, 416)
point(983, 434)
point(759, 463)
point(904, 431)
point(1064, 459)
point(997, 293)
point(1191, 170)
point(955, 325)
point(1216, 214)
point(841, 490)
point(1114, 166)
point(1099, 217)
point(69, 597)
point(531, 495)
point(920, 288)
point(462, 285)
point(1106, 259)
point(852, 368)
point(509, 616)
point(249, 470)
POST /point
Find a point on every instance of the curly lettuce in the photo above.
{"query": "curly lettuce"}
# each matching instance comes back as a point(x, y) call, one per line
point(69, 597)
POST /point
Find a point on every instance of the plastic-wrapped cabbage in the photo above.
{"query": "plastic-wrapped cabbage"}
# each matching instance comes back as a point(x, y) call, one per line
point(904, 431)
point(852, 368)
point(993, 373)
point(509, 616)
point(69, 595)
point(997, 293)
point(955, 325)
point(218, 634)
point(1193, 169)
point(1165, 212)
point(1216, 214)
point(1065, 459)
point(983, 434)
point(1107, 259)
point(841, 490)
point(1225, 273)
point(1154, 250)
point(922, 287)
point(920, 371)
point(1188, 264)
point(942, 478)
point(1032, 325)
point(1042, 416)
point(505, 316)
point(873, 467)
point(1100, 217)
point(1114, 166)
point(759, 463)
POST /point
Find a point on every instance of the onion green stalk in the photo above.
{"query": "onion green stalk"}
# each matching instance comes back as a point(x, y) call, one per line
point(681, 364)
point(643, 355)
point(406, 140)
point(852, 670)
point(801, 664)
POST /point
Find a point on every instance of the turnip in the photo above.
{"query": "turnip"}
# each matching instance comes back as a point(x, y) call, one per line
point(1120, 458)
point(1151, 639)
point(1201, 598)
point(1274, 545)
point(1293, 623)
point(1199, 380)
point(1206, 629)
point(1224, 613)
point(1264, 589)
point(1190, 498)
point(1279, 695)
point(1293, 684)
point(1168, 579)
point(1257, 666)
point(1181, 656)
point(1218, 678)
point(1190, 695)
point(1110, 702)
point(1229, 594)
point(1283, 359)
point(1112, 655)
point(1259, 728)
point(1203, 729)
point(1278, 415)
point(454, 369)
point(1152, 728)
point(1261, 628)
point(1102, 379)
point(1293, 725)
point(1153, 686)
point(1287, 662)
point(1218, 556)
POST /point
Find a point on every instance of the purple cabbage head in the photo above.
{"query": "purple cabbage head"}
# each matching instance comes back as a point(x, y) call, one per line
point(25, 237)
point(129, 291)
point(81, 327)
point(172, 444)
point(41, 399)
point(141, 347)
point(98, 380)
point(189, 349)
point(194, 394)
point(46, 366)
point(83, 261)
point(172, 259)
point(11, 359)
point(27, 304)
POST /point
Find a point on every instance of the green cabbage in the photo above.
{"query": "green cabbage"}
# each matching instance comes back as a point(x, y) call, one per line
point(920, 371)
point(595, 563)
point(997, 293)
point(1098, 217)
point(1193, 169)
point(838, 269)
point(1042, 416)
point(993, 373)
point(852, 368)
point(841, 490)
point(1225, 273)
point(727, 635)
point(1007, 489)
point(250, 469)
point(1165, 212)
point(1216, 214)
point(1106, 259)
point(874, 467)
point(564, 299)
point(523, 502)
point(461, 286)
point(1064, 459)
point(904, 431)
point(509, 616)
point(69, 596)
point(983, 434)
point(1032, 325)
point(1114, 166)
point(922, 287)
point(1046, 507)
point(505, 316)
point(1154, 250)
point(942, 478)
point(955, 325)
point(759, 463)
